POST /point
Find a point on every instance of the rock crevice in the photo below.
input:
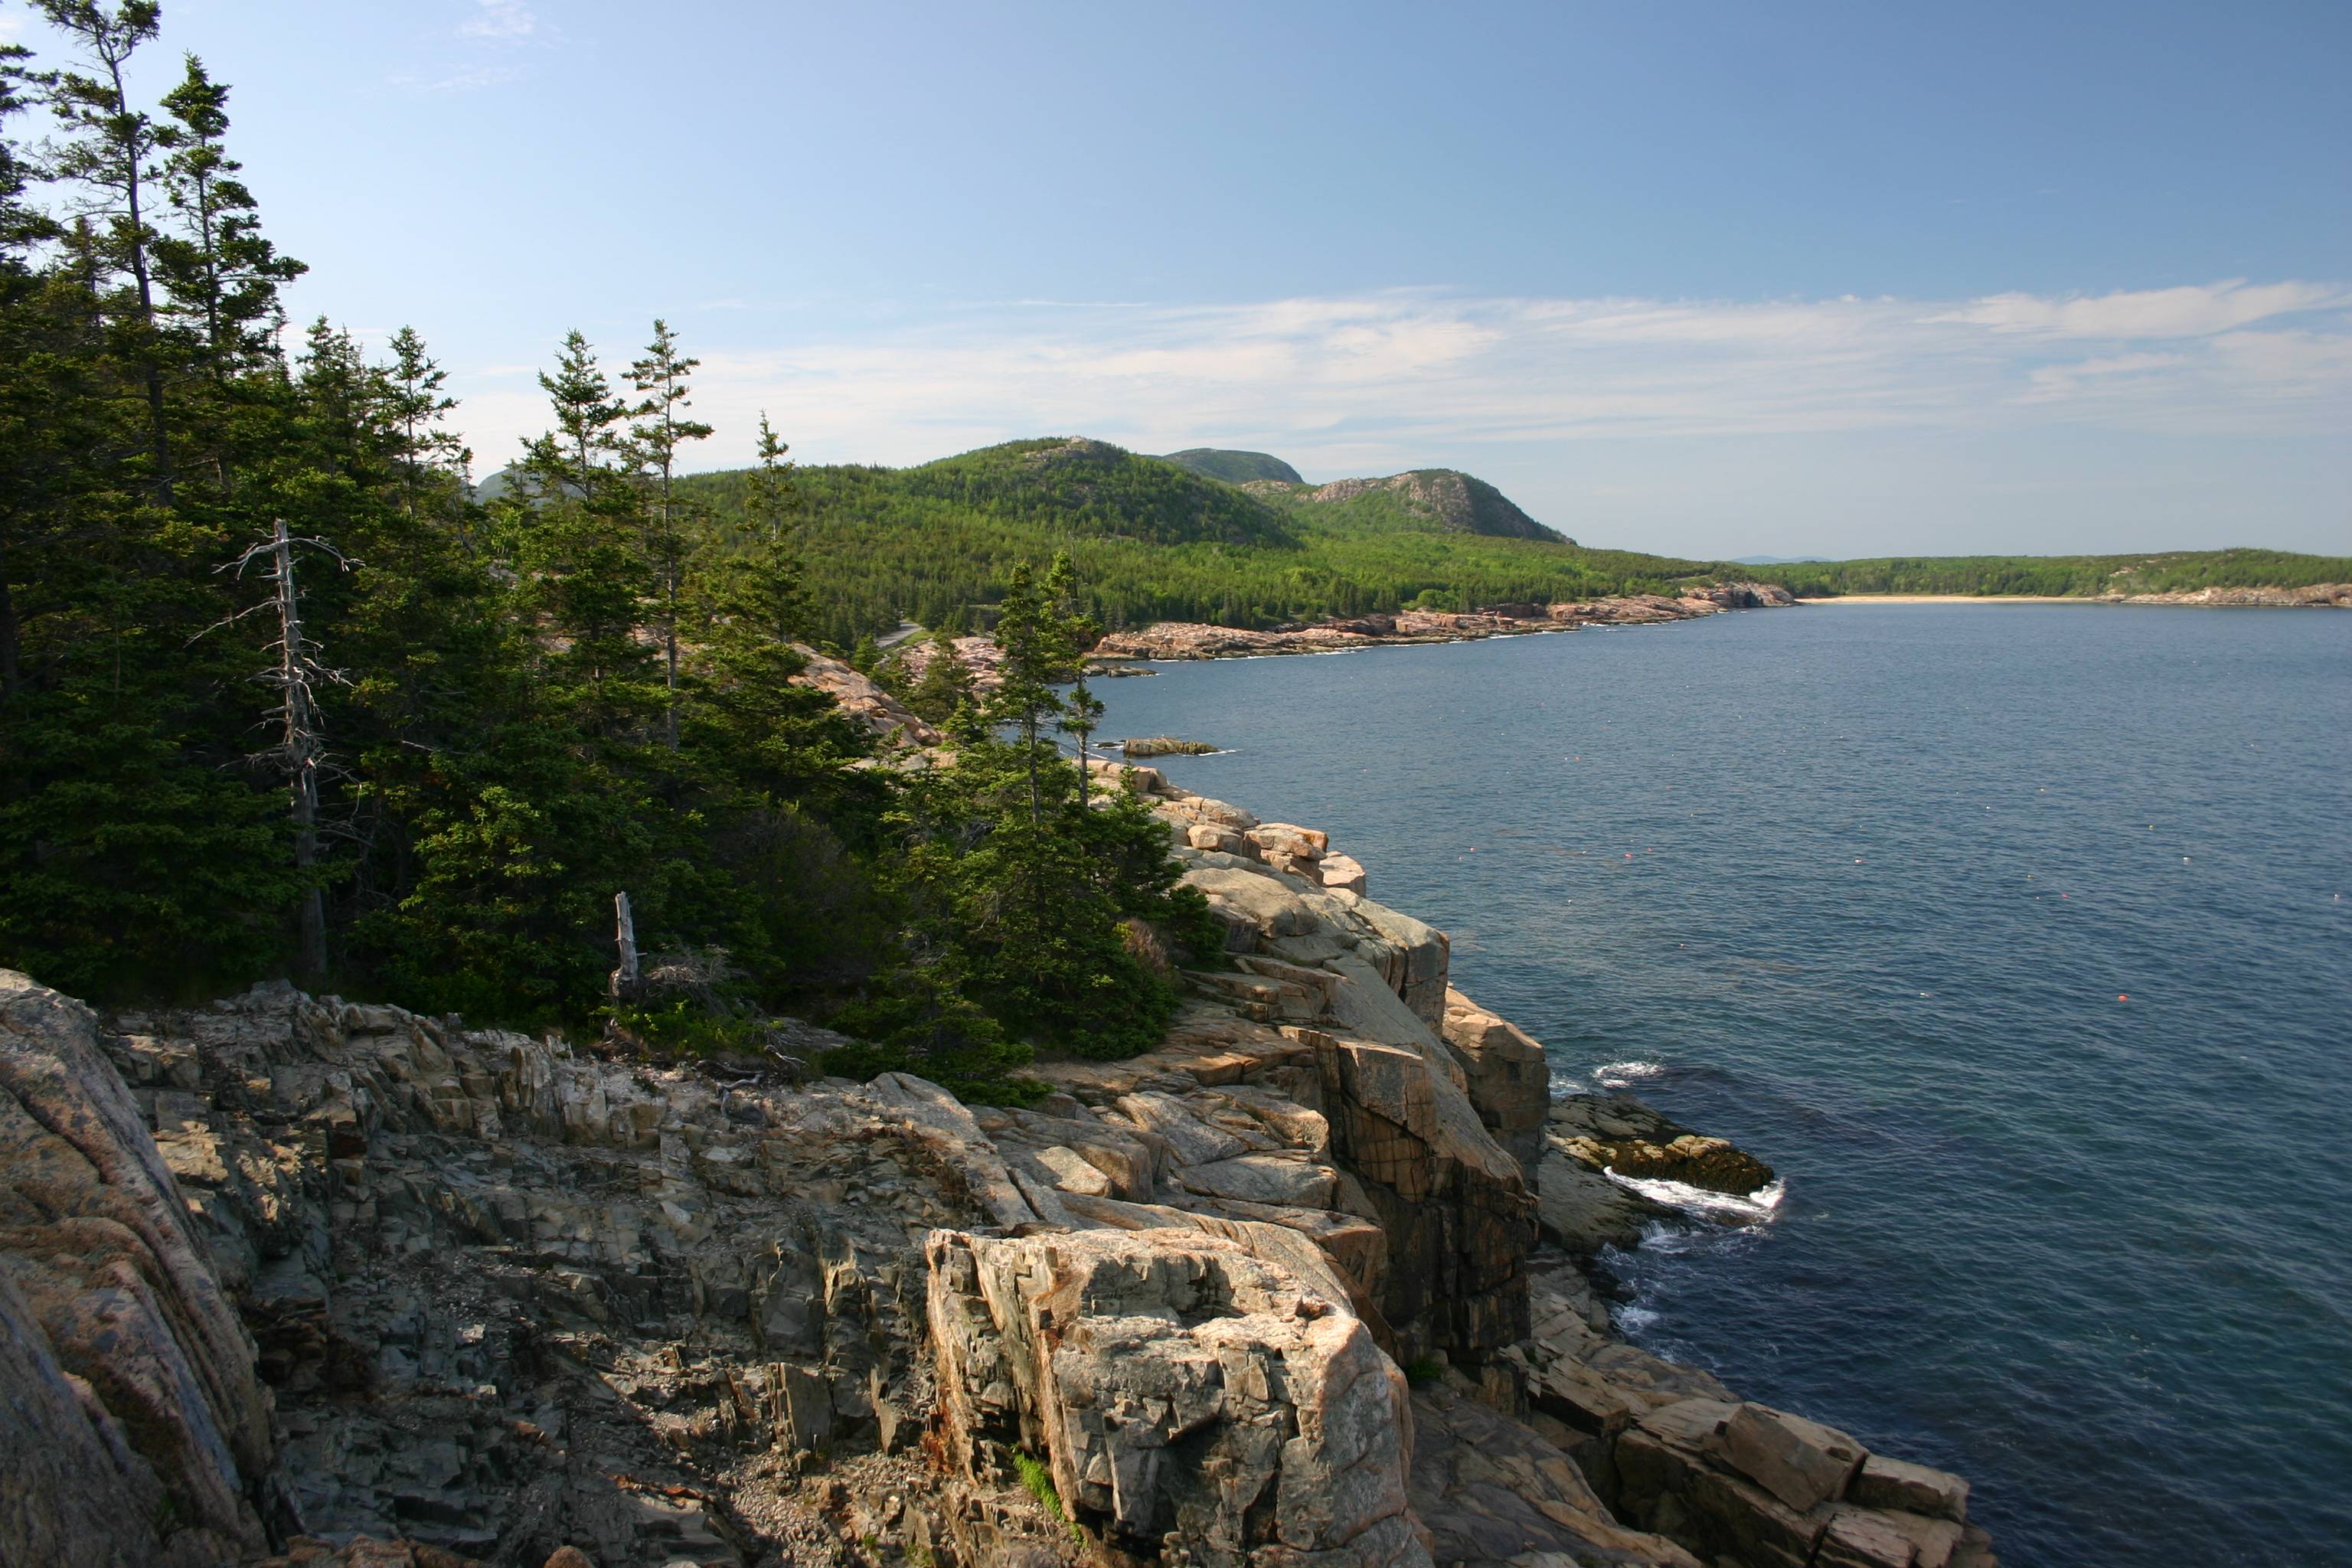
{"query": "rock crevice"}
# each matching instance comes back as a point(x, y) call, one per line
point(344, 1283)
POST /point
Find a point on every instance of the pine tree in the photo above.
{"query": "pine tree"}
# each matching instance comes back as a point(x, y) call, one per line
point(945, 686)
point(416, 403)
point(661, 428)
point(576, 528)
point(112, 153)
point(223, 272)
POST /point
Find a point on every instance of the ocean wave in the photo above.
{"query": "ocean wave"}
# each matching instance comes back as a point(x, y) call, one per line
point(1722, 1207)
point(1621, 1075)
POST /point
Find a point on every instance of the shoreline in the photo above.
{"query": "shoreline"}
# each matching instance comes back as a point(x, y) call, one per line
point(1339, 1199)
point(2205, 599)
point(1662, 1443)
point(1184, 641)
point(1179, 641)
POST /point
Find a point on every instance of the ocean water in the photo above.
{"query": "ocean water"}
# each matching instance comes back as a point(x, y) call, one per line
point(2018, 938)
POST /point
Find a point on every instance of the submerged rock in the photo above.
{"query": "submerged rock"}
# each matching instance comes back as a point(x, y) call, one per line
point(1618, 1133)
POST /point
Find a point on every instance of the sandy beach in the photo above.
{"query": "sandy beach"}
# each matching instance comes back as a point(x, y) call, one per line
point(1958, 599)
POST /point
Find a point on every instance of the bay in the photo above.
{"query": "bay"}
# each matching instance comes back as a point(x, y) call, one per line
point(2016, 937)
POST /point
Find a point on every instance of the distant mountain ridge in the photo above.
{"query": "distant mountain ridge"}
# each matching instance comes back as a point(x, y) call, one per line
point(1234, 467)
point(1155, 539)
point(1455, 501)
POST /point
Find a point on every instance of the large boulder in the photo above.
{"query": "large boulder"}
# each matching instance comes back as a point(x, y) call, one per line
point(139, 1430)
point(1583, 1211)
point(1505, 1075)
point(1190, 1398)
point(1618, 1133)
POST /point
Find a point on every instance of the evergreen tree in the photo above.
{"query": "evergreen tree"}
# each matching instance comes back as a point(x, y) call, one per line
point(220, 270)
point(584, 689)
point(573, 527)
point(945, 684)
point(661, 428)
point(1050, 905)
point(431, 459)
point(110, 155)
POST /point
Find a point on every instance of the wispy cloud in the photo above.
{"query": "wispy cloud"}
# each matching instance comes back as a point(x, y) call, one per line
point(2185, 312)
point(468, 80)
point(1387, 380)
point(500, 19)
point(490, 47)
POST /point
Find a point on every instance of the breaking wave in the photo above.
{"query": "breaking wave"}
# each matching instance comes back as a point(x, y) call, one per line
point(1723, 1208)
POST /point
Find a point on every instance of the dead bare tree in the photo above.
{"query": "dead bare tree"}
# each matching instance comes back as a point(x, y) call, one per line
point(301, 750)
point(625, 979)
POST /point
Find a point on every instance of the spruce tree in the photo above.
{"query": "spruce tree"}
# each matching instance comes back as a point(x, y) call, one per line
point(945, 684)
point(110, 155)
point(660, 430)
point(575, 527)
point(220, 268)
point(416, 403)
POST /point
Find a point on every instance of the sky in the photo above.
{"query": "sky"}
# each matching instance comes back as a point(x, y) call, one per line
point(1707, 279)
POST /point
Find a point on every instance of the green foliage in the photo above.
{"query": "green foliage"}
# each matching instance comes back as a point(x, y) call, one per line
point(945, 684)
point(1235, 467)
point(1149, 541)
point(2068, 577)
point(1039, 911)
point(681, 1026)
point(936, 543)
point(1038, 1478)
point(584, 686)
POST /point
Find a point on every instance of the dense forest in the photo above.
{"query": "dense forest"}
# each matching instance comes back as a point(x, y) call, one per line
point(1151, 541)
point(278, 696)
point(1155, 539)
point(2169, 571)
point(282, 693)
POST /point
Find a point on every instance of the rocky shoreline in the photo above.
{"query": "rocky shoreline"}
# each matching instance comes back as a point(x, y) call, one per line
point(2320, 597)
point(1190, 640)
point(300, 1281)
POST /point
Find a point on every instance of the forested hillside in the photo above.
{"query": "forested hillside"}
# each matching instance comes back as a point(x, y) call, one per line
point(1235, 467)
point(1152, 540)
point(279, 696)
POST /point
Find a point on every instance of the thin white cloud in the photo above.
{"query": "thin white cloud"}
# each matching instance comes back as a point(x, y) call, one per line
point(471, 80)
point(500, 19)
point(2184, 312)
point(1392, 380)
point(490, 47)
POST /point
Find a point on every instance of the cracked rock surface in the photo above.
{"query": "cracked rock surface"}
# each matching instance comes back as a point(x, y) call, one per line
point(294, 1280)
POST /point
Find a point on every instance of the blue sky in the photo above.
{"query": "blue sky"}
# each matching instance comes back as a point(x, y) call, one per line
point(1714, 279)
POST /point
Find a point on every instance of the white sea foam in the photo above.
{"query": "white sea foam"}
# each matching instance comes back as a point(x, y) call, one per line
point(1723, 1207)
point(1634, 1319)
point(1618, 1074)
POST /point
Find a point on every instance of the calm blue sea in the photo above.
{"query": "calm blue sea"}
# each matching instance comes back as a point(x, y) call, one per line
point(1865, 889)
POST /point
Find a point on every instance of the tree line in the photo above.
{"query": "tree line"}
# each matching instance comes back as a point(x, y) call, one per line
point(1152, 541)
point(2071, 576)
point(279, 696)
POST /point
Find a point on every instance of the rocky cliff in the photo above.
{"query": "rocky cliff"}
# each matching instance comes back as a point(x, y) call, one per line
point(2319, 595)
point(290, 1275)
point(1455, 501)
